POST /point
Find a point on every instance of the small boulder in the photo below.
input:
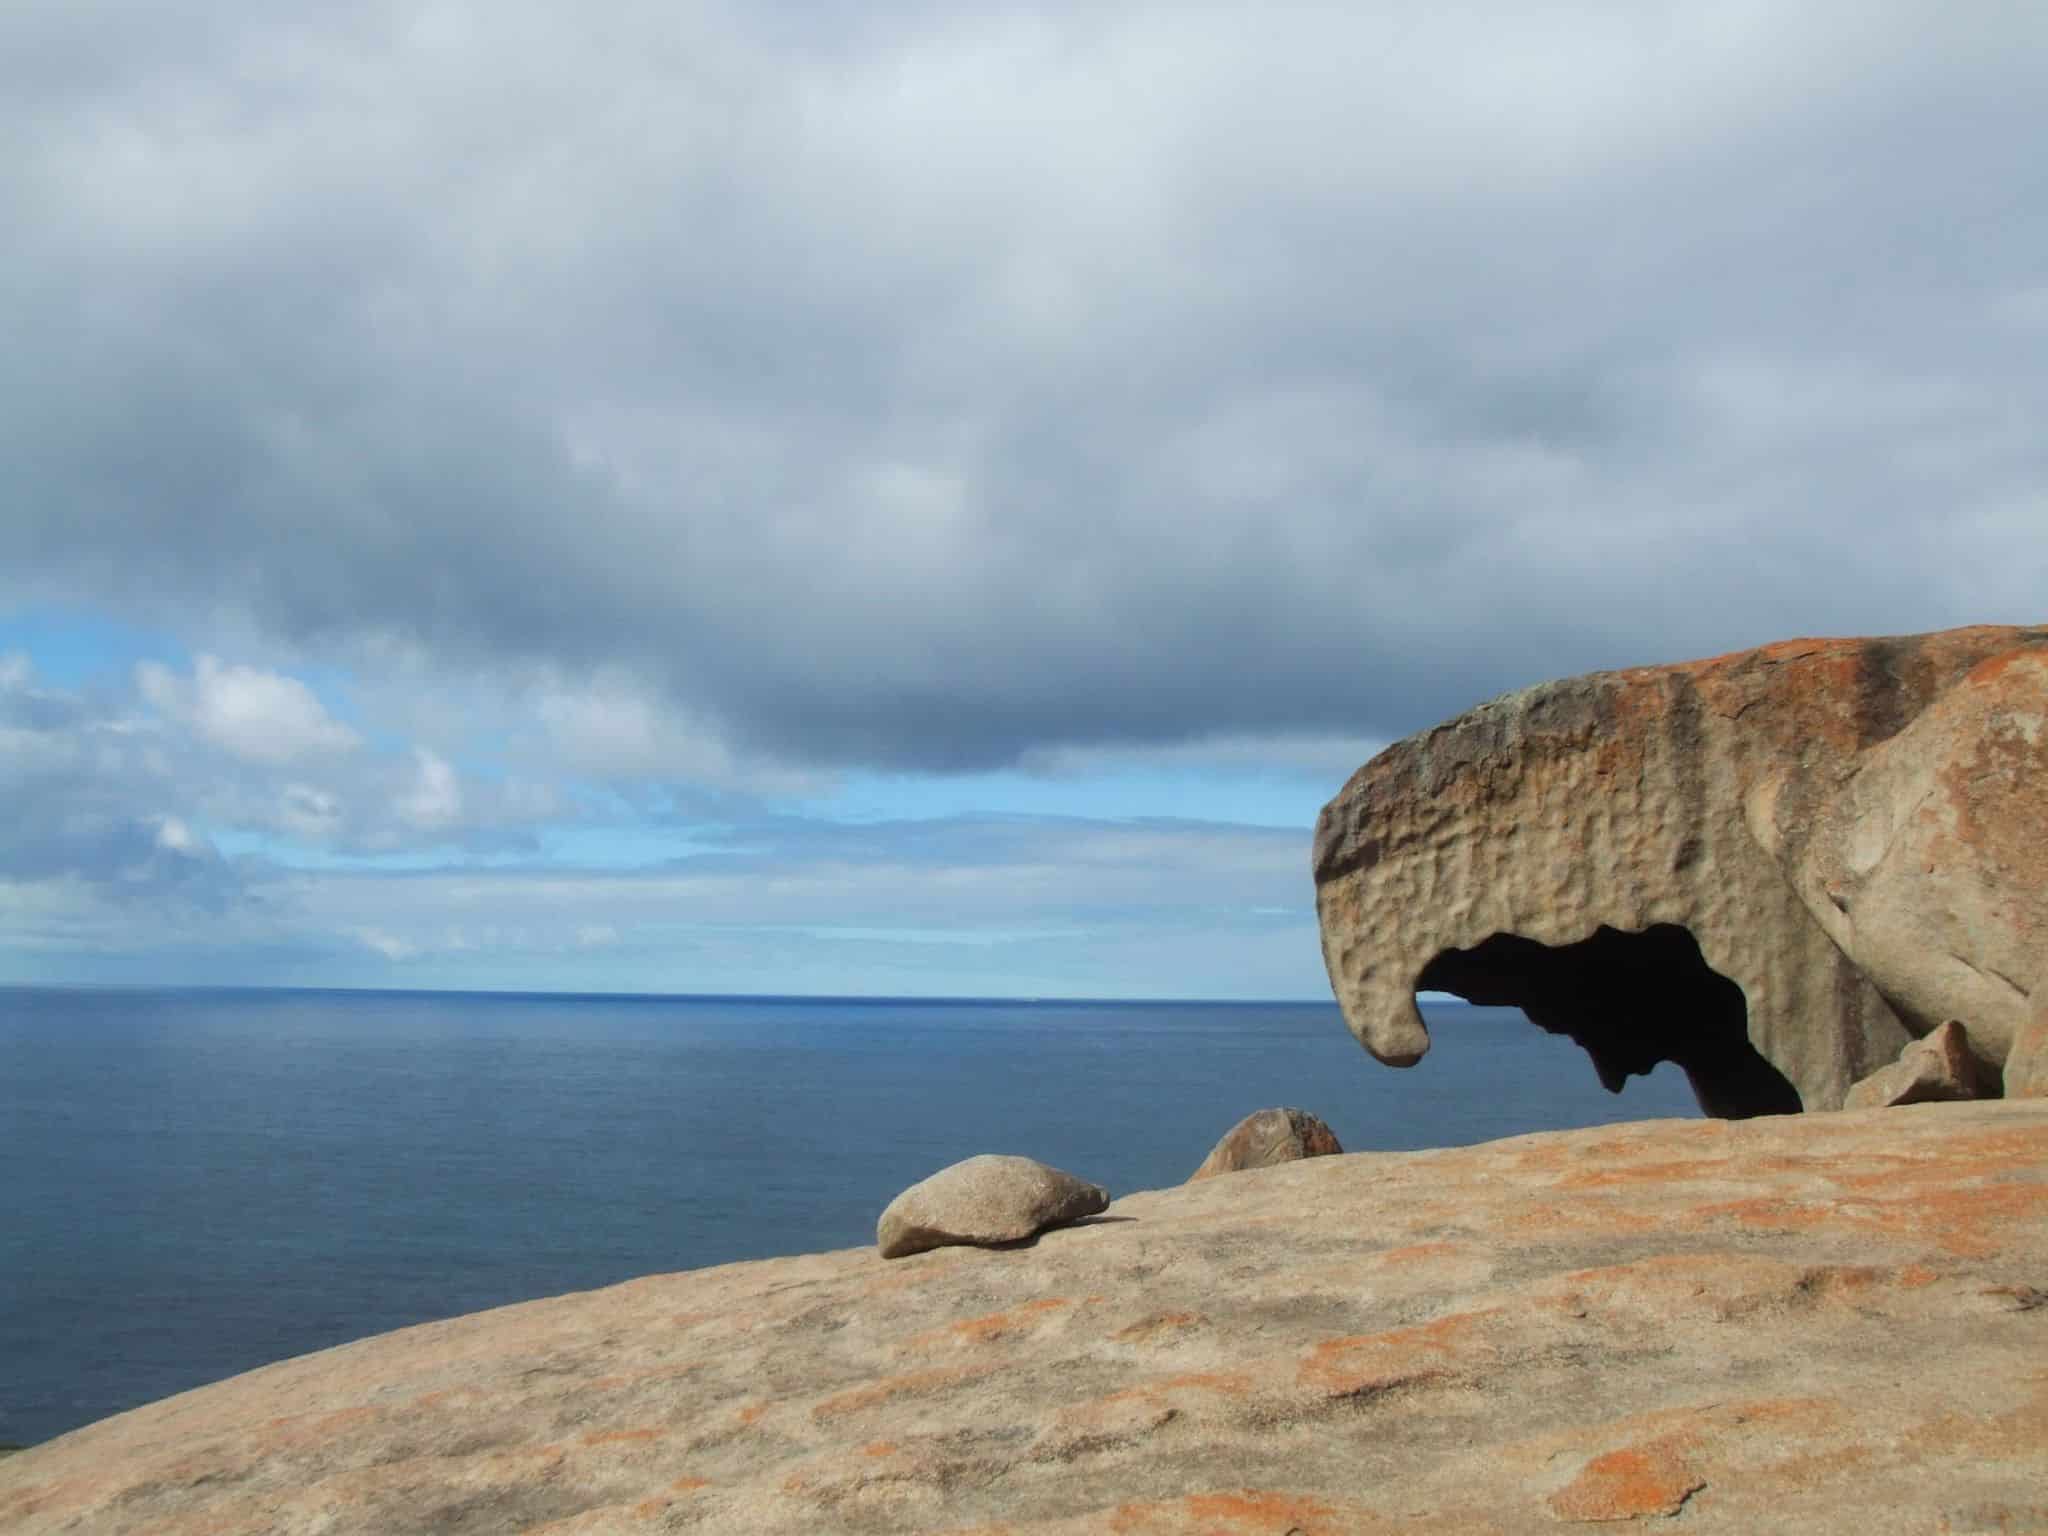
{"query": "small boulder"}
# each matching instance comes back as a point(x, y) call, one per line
point(1267, 1137)
point(1939, 1066)
point(2026, 1068)
point(983, 1201)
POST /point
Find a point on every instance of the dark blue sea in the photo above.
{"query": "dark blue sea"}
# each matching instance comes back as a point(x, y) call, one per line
point(193, 1183)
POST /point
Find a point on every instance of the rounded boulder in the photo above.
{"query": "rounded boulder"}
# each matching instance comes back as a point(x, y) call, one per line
point(984, 1201)
point(1267, 1137)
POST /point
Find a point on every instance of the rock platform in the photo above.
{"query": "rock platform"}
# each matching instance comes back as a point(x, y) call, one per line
point(1824, 1322)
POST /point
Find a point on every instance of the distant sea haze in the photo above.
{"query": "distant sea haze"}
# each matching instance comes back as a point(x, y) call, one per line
point(200, 1182)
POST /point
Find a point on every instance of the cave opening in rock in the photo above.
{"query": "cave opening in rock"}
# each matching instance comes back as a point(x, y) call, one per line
point(1631, 1000)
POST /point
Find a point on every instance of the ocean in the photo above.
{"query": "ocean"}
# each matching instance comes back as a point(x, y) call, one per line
point(194, 1183)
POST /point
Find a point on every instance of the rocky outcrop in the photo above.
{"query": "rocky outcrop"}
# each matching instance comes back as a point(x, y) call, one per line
point(986, 1199)
point(1927, 863)
point(1937, 1069)
point(1818, 1323)
point(1267, 1137)
point(1584, 850)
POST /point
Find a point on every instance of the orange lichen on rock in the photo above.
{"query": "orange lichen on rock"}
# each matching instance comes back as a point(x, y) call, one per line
point(990, 1327)
point(1653, 1478)
point(1378, 1362)
point(908, 1384)
point(623, 1436)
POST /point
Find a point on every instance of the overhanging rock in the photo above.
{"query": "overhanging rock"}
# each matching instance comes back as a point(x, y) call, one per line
point(1579, 849)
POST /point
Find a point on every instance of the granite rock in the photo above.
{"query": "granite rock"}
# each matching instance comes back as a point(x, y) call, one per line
point(1267, 1137)
point(1937, 1067)
point(983, 1200)
point(2026, 1065)
point(1927, 863)
point(1583, 850)
point(1813, 1323)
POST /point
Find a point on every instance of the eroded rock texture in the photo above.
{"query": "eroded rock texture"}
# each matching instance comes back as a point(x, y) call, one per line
point(1928, 862)
point(1811, 1323)
point(1582, 850)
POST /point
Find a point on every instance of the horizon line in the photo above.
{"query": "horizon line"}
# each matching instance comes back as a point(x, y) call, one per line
point(1036, 999)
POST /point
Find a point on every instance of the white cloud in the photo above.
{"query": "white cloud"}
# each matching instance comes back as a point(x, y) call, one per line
point(388, 945)
point(254, 715)
point(174, 835)
point(433, 801)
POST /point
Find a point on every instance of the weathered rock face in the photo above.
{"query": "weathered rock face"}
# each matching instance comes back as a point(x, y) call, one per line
point(1580, 849)
point(1817, 1323)
point(2026, 1067)
point(986, 1199)
point(1939, 1068)
point(1928, 863)
point(1266, 1137)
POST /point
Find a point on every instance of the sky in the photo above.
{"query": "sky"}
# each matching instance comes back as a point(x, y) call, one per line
point(910, 499)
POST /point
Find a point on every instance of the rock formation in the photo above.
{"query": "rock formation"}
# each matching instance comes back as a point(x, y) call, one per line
point(1266, 1137)
point(986, 1199)
point(1938, 1068)
point(1927, 864)
point(1599, 852)
point(1813, 1323)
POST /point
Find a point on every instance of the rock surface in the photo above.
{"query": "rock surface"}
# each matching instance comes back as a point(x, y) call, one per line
point(1267, 1137)
point(2026, 1067)
point(1581, 849)
point(1934, 1069)
point(1814, 1323)
point(982, 1200)
point(1928, 863)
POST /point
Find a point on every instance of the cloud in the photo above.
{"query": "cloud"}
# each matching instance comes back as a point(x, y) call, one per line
point(434, 800)
point(132, 793)
point(925, 388)
point(254, 715)
point(382, 943)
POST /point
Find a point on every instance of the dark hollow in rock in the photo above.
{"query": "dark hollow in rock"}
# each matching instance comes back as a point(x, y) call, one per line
point(1630, 1000)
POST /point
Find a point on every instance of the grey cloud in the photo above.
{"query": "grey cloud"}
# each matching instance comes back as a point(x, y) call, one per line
point(919, 388)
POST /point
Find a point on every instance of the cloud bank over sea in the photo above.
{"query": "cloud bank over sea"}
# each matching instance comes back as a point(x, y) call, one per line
point(935, 482)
